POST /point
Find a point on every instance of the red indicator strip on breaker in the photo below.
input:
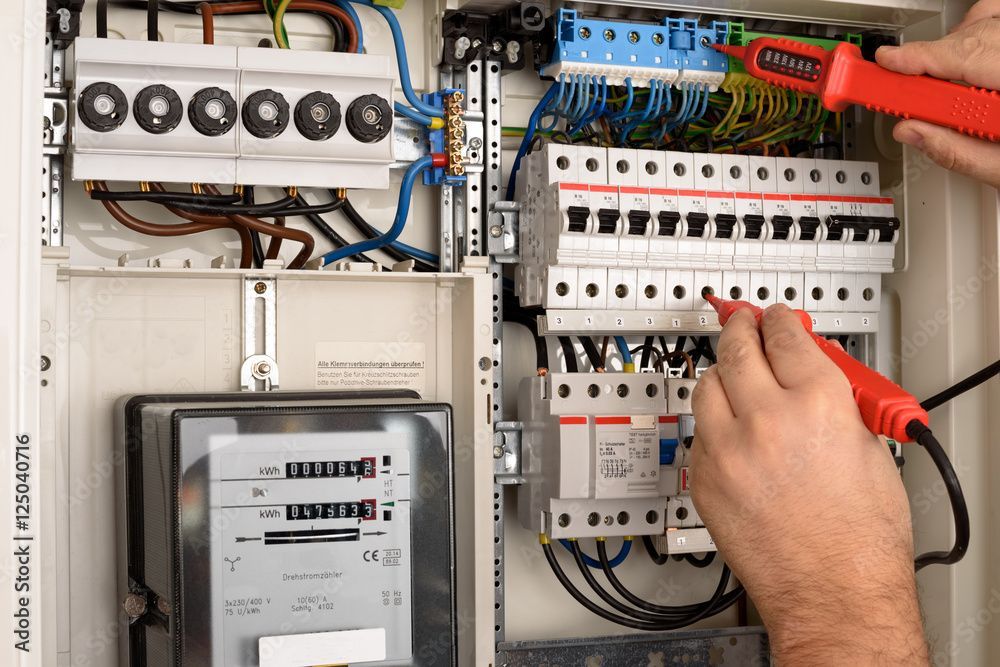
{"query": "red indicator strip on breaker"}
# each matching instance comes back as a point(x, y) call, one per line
point(691, 193)
point(663, 192)
point(669, 419)
point(770, 196)
point(605, 421)
point(747, 195)
point(572, 421)
point(580, 187)
point(719, 194)
point(610, 189)
point(627, 190)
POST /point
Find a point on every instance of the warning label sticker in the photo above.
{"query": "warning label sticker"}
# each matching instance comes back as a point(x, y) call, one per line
point(371, 366)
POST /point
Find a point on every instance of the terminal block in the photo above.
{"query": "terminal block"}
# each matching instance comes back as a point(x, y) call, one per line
point(673, 52)
point(449, 139)
point(626, 229)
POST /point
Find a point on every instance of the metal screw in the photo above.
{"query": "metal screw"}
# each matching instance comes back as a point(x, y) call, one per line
point(462, 45)
point(584, 32)
point(633, 37)
point(497, 46)
point(46, 363)
point(497, 452)
point(260, 288)
point(496, 231)
point(705, 42)
point(657, 38)
point(609, 35)
point(485, 363)
point(476, 43)
point(164, 606)
point(262, 369)
point(513, 51)
point(475, 143)
point(134, 605)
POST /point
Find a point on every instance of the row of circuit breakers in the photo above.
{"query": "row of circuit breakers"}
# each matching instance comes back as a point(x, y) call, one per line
point(652, 230)
point(223, 114)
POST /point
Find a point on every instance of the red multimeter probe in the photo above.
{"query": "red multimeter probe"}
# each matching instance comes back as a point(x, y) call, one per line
point(885, 408)
point(842, 77)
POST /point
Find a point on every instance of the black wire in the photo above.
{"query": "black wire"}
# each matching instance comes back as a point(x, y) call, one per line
point(256, 245)
point(961, 387)
point(153, 20)
point(679, 610)
point(602, 593)
point(647, 345)
point(590, 348)
point(513, 312)
point(569, 354)
point(166, 197)
point(102, 18)
point(691, 559)
point(655, 556)
point(321, 226)
point(624, 620)
point(960, 511)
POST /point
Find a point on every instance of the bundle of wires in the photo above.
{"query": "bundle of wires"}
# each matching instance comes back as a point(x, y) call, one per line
point(628, 609)
point(744, 116)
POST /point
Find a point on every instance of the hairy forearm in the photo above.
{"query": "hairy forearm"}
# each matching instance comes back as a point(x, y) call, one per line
point(871, 622)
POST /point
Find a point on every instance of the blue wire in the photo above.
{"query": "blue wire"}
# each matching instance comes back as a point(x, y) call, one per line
point(529, 135)
point(401, 61)
point(593, 114)
point(346, 6)
point(596, 564)
point(570, 100)
point(412, 114)
point(402, 212)
point(704, 104)
point(622, 348)
point(553, 107)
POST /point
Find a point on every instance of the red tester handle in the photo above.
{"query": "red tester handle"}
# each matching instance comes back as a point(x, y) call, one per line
point(842, 77)
point(885, 407)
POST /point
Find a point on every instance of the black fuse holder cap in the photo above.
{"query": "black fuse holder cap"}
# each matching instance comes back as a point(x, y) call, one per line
point(102, 107)
point(212, 111)
point(265, 114)
point(369, 118)
point(317, 116)
point(158, 109)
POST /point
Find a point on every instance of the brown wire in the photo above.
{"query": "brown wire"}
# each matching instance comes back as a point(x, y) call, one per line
point(156, 229)
point(274, 245)
point(246, 250)
point(287, 233)
point(687, 360)
point(210, 10)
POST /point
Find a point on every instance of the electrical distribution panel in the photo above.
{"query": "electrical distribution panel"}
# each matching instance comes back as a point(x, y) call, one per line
point(609, 228)
point(286, 531)
point(161, 111)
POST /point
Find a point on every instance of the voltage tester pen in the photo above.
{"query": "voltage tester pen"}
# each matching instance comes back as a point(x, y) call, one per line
point(842, 77)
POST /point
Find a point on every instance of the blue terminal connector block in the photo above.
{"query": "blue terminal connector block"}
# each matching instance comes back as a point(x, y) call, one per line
point(438, 141)
point(676, 51)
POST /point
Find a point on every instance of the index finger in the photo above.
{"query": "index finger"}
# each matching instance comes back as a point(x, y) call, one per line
point(968, 55)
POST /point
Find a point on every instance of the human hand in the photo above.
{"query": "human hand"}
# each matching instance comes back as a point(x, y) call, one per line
point(804, 503)
point(969, 53)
